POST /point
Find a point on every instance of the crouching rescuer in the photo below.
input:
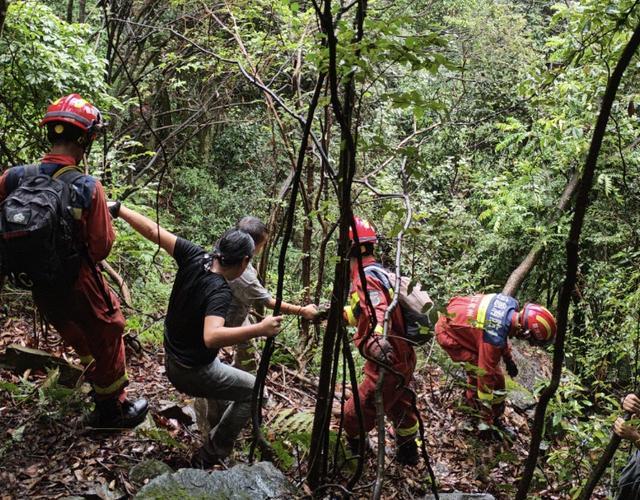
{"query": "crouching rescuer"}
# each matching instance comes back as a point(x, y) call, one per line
point(393, 351)
point(475, 330)
point(54, 230)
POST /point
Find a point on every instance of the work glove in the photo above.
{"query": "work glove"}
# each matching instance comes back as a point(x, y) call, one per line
point(512, 369)
point(114, 208)
point(380, 349)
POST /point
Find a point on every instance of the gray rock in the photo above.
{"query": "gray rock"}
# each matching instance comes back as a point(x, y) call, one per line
point(242, 482)
point(534, 364)
point(456, 495)
point(521, 398)
point(148, 469)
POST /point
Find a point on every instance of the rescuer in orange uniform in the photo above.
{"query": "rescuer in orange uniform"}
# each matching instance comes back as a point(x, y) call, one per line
point(475, 330)
point(394, 351)
point(87, 314)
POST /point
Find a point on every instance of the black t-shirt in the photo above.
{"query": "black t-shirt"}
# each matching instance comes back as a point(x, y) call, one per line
point(196, 293)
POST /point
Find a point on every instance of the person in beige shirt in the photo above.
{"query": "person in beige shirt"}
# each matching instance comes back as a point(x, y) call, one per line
point(247, 293)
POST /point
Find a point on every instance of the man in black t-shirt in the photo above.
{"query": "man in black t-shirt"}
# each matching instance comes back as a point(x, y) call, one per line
point(195, 327)
point(195, 294)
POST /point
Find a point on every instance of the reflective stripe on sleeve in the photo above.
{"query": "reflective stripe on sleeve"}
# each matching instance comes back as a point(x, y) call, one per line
point(481, 317)
point(349, 316)
point(485, 396)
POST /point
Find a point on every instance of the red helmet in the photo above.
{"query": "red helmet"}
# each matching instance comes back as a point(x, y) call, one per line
point(365, 231)
point(73, 109)
point(538, 324)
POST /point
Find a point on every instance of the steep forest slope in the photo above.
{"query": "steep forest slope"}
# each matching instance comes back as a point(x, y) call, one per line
point(479, 112)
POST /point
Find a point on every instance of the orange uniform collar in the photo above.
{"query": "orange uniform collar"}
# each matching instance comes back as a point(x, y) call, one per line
point(63, 160)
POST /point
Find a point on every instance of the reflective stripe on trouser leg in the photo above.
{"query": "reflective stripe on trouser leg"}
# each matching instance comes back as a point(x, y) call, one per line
point(116, 386)
point(407, 431)
point(492, 397)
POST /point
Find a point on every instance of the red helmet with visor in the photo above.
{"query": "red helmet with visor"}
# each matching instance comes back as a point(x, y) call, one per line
point(538, 324)
point(76, 111)
point(365, 231)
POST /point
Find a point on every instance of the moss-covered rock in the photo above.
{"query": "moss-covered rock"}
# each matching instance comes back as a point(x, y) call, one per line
point(242, 482)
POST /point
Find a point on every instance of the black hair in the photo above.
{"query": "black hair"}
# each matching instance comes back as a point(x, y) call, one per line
point(232, 247)
point(60, 133)
point(254, 227)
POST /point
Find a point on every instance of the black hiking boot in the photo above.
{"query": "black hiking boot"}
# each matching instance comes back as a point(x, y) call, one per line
point(407, 452)
point(112, 414)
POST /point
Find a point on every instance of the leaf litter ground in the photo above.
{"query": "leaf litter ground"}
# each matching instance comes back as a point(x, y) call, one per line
point(45, 451)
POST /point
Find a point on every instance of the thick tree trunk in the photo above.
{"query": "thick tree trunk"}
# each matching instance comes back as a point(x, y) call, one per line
point(568, 287)
point(20, 358)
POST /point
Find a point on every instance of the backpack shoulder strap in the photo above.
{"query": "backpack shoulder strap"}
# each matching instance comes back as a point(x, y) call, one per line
point(68, 174)
point(31, 170)
point(378, 272)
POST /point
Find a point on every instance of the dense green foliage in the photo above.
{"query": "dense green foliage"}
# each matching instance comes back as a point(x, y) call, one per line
point(484, 108)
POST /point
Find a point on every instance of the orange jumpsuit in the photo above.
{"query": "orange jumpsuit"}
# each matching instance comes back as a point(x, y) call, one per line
point(87, 316)
point(397, 402)
point(475, 331)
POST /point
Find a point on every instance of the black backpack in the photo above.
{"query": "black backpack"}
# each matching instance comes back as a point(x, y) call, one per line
point(418, 310)
point(38, 245)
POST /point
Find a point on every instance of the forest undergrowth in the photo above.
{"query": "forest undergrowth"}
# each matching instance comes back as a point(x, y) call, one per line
point(49, 453)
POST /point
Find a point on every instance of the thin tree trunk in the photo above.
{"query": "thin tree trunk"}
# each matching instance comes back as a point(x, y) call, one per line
point(82, 11)
point(572, 268)
point(520, 273)
point(601, 466)
point(319, 450)
point(69, 11)
point(307, 235)
point(258, 389)
point(3, 13)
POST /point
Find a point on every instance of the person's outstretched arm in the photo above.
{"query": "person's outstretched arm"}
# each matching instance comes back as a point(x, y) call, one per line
point(149, 229)
point(308, 312)
point(217, 335)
